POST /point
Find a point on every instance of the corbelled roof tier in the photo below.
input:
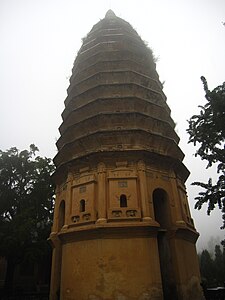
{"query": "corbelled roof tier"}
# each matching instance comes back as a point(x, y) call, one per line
point(115, 99)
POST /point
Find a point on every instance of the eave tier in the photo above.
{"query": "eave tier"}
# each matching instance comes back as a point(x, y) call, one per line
point(113, 77)
point(114, 105)
point(118, 140)
point(115, 91)
point(113, 61)
point(116, 121)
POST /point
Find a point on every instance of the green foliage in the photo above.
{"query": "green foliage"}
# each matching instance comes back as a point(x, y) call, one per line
point(206, 266)
point(213, 269)
point(219, 265)
point(26, 204)
point(207, 131)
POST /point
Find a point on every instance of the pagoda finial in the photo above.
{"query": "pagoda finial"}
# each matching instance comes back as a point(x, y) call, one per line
point(110, 14)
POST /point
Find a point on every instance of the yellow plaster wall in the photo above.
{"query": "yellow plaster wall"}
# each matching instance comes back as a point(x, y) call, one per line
point(104, 269)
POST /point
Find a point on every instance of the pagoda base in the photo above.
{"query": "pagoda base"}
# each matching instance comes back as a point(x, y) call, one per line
point(124, 263)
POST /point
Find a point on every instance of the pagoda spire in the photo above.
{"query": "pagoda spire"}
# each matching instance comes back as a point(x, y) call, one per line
point(110, 14)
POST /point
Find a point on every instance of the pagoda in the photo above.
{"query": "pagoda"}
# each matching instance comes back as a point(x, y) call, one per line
point(122, 226)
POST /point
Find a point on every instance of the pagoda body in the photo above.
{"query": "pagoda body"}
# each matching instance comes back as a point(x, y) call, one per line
point(122, 226)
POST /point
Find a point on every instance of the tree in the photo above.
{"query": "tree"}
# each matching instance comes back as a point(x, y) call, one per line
point(219, 266)
point(212, 268)
point(206, 268)
point(207, 131)
point(26, 207)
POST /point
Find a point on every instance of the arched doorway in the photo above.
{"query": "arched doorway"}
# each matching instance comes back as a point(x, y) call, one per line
point(163, 217)
point(61, 221)
point(161, 208)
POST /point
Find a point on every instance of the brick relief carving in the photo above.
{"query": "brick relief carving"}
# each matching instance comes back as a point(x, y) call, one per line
point(117, 213)
point(76, 219)
point(131, 213)
point(124, 213)
point(86, 217)
point(122, 184)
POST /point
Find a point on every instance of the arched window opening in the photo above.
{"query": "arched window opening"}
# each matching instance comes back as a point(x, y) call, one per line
point(161, 208)
point(123, 200)
point(61, 221)
point(82, 205)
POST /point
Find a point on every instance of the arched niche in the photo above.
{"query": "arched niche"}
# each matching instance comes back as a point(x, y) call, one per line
point(61, 220)
point(123, 200)
point(82, 205)
point(161, 208)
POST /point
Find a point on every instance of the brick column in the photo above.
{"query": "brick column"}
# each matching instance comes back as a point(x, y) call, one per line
point(101, 195)
point(68, 200)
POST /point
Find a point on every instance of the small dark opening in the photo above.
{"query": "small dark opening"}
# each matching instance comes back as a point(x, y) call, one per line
point(162, 216)
point(82, 205)
point(161, 208)
point(61, 215)
point(123, 200)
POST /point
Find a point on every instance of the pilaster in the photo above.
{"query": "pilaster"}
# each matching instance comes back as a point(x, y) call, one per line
point(101, 194)
point(143, 191)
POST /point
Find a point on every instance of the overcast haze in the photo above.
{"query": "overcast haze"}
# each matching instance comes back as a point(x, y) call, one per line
point(40, 39)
